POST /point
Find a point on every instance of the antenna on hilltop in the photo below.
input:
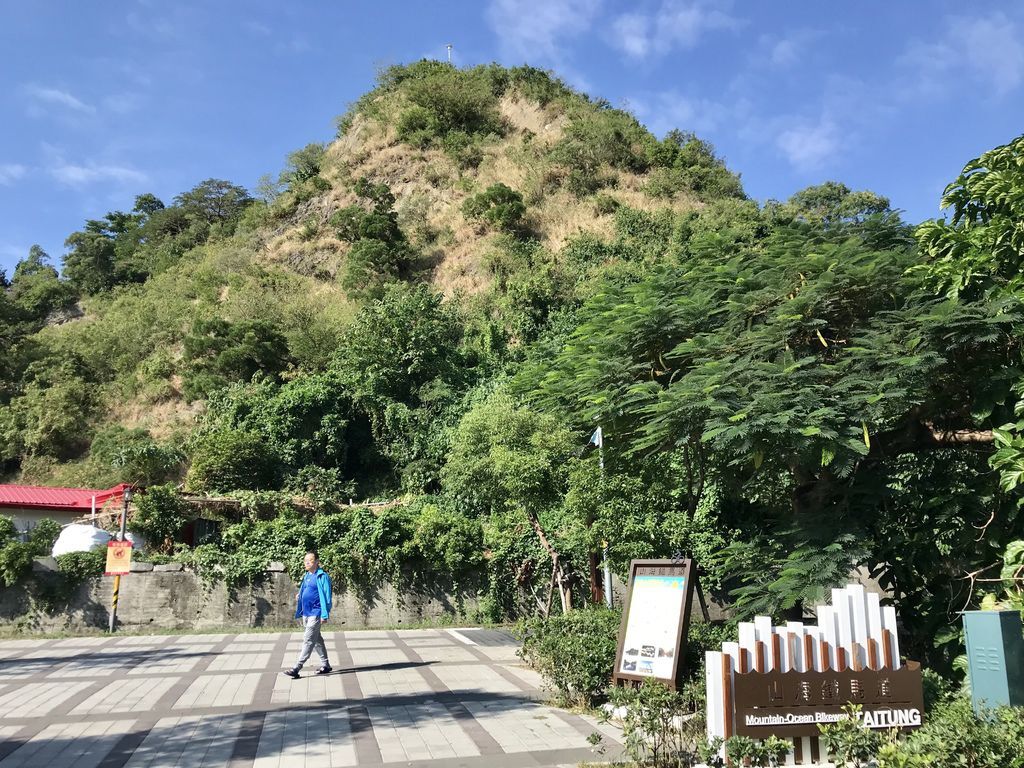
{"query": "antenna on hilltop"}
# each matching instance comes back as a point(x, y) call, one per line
point(449, 47)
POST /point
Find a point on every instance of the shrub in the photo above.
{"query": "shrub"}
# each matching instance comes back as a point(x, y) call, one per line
point(953, 736)
point(304, 164)
point(457, 101)
point(42, 537)
point(605, 204)
point(15, 560)
point(657, 724)
point(418, 126)
point(848, 740)
point(463, 148)
point(499, 205)
point(159, 515)
point(448, 541)
point(232, 460)
point(575, 652)
point(7, 528)
point(743, 750)
point(76, 567)
point(134, 456)
point(16, 556)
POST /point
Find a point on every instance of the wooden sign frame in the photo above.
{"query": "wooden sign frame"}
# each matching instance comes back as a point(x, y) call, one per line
point(685, 569)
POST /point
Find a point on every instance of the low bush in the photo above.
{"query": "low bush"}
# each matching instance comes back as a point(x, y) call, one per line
point(160, 513)
point(16, 556)
point(952, 737)
point(575, 652)
point(499, 206)
point(232, 459)
point(661, 727)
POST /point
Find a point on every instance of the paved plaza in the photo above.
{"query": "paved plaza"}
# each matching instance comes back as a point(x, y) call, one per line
point(432, 697)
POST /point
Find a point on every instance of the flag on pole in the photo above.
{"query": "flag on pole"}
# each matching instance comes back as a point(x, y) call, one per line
point(597, 438)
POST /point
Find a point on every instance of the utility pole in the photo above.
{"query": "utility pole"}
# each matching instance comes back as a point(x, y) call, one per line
point(120, 537)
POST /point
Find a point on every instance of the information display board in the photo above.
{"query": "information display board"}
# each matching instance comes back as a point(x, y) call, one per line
point(655, 621)
point(119, 558)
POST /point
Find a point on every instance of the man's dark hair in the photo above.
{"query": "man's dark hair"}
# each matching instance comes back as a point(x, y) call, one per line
point(314, 553)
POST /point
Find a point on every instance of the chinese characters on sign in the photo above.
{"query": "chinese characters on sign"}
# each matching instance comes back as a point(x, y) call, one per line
point(794, 703)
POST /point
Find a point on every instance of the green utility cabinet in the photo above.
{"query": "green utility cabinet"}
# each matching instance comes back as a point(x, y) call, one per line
point(995, 657)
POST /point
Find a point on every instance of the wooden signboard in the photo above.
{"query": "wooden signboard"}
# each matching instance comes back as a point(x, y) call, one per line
point(655, 621)
point(785, 680)
point(793, 703)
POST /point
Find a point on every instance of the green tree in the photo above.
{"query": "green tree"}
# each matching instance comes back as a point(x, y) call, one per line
point(89, 264)
point(229, 460)
point(505, 458)
point(304, 164)
point(214, 201)
point(160, 514)
point(36, 287)
point(218, 352)
point(792, 370)
point(402, 364)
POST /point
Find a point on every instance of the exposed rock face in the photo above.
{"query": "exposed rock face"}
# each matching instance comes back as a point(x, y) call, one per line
point(65, 314)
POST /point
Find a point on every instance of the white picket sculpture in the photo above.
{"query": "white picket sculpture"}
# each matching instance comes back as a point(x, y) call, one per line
point(854, 632)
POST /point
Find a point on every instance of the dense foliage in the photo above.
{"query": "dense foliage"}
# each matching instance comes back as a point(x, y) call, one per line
point(786, 391)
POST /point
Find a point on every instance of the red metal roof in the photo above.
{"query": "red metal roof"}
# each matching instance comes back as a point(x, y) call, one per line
point(42, 497)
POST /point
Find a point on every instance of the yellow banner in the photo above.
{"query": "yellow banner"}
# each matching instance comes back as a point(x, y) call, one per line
point(119, 558)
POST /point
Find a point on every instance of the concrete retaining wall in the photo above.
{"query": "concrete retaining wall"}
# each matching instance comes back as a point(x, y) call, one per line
point(181, 600)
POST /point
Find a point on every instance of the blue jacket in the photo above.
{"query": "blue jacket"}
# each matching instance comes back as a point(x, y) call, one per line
point(323, 585)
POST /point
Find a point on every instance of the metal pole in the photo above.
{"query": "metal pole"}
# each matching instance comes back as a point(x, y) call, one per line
point(113, 606)
point(604, 543)
point(117, 578)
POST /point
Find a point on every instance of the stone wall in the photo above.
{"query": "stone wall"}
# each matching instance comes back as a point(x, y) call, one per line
point(175, 599)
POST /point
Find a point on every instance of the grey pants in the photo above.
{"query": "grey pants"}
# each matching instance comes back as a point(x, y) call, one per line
point(312, 639)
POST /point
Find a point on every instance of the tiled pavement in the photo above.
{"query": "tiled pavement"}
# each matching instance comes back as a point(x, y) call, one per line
point(428, 698)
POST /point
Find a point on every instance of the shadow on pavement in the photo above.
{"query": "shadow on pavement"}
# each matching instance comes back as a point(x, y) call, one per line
point(215, 739)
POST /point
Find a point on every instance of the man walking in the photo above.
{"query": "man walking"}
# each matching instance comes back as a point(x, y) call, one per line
point(314, 606)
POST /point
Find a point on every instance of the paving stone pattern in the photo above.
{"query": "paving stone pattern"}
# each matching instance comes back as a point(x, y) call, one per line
point(421, 698)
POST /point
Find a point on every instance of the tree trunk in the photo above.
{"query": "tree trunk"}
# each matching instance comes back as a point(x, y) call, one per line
point(596, 591)
point(564, 574)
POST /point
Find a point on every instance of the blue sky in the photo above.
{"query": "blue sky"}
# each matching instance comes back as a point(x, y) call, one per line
point(103, 101)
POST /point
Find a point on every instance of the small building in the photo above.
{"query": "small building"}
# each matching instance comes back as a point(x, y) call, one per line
point(28, 504)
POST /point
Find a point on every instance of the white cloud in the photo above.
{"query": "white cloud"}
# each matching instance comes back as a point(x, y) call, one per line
point(122, 103)
point(258, 28)
point(664, 111)
point(11, 172)
point(532, 31)
point(985, 49)
point(77, 175)
point(784, 52)
point(42, 96)
point(631, 33)
point(676, 24)
point(807, 145)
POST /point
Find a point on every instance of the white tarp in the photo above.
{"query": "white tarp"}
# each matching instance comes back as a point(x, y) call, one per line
point(83, 538)
point(79, 538)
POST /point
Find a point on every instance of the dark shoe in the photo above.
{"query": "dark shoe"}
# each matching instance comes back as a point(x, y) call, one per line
point(324, 670)
point(293, 673)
